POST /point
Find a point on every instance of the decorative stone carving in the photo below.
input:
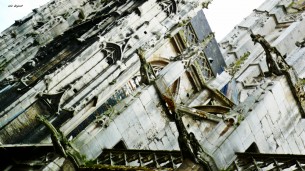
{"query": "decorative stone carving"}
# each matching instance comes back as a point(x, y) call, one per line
point(170, 6)
point(146, 71)
point(275, 61)
point(62, 144)
point(112, 52)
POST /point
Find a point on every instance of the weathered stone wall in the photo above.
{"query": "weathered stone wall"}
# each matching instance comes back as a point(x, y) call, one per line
point(267, 114)
point(81, 65)
point(280, 28)
point(274, 122)
point(141, 123)
point(274, 125)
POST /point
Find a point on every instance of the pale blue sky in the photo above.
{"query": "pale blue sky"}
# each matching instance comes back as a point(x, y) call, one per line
point(8, 15)
point(222, 15)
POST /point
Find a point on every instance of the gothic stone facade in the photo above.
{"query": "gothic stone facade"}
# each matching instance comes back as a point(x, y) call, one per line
point(129, 84)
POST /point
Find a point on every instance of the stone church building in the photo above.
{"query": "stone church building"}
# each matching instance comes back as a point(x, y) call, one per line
point(143, 85)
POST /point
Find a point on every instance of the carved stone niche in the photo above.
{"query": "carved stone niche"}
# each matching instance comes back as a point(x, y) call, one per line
point(169, 6)
point(112, 52)
point(53, 101)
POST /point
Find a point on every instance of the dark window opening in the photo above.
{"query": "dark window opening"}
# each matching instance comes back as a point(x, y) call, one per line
point(94, 101)
point(110, 61)
point(252, 148)
point(120, 145)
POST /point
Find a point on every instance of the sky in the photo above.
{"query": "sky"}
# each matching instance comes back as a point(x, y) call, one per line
point(8, 15)
point(222, 15)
